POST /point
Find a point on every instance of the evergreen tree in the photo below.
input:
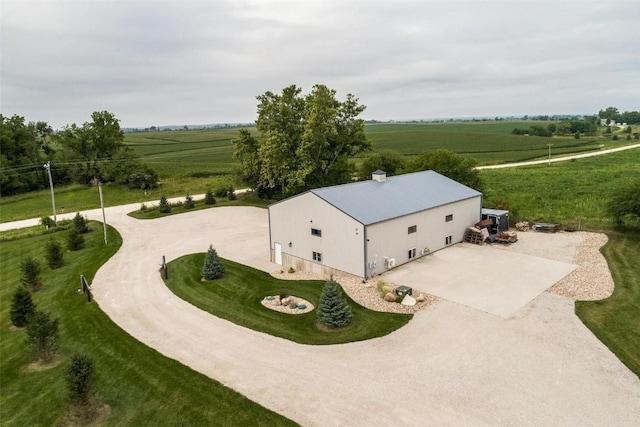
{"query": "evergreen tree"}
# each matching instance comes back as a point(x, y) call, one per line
point(188, 202)
point(80, 377)
point(333, 310)
point(30, 273)
point(53, 253)
point(75, 240)
point(22, 307)
point(209, 198)
point(164, 207)
point(212, 268)
point(42, 335)
point(80, 223)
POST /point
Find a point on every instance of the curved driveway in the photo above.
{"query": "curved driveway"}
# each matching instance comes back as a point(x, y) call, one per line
point(451, 365)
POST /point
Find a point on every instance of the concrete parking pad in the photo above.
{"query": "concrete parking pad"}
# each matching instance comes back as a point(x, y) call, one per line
point(482, 277)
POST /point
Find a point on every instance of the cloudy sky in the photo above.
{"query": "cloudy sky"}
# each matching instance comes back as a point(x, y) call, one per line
point(196, 62)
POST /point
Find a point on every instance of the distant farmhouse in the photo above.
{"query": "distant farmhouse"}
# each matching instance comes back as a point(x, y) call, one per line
point(365, 228)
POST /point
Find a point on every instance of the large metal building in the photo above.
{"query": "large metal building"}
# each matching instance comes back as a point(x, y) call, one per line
point(365, 228)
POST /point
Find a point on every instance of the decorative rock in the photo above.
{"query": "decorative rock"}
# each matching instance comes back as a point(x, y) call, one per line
point(302, 307)
point(390, 297)
point(408, 300)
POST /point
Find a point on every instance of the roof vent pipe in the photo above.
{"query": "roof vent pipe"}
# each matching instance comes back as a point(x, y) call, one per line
point(380, 176)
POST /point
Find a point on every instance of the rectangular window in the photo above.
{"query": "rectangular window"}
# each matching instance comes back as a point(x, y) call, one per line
point(412, 229)
point(316, 232)
point(317, 256)
point(448, 218)
point(412, 253)
point(447, 240)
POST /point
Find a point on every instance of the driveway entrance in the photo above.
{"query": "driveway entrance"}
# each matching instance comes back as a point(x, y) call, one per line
point(481, 277)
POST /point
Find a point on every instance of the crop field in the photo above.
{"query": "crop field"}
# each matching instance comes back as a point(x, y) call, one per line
point(209, 153)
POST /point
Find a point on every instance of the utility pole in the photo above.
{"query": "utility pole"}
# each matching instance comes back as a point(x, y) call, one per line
point(47, 166)
point(104, 219)
point(549, 145)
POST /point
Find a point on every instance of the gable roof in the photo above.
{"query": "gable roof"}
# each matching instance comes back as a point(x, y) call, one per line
point(369, 202)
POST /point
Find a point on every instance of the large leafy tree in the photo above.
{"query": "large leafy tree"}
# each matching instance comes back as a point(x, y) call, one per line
point(387, 160)
point(23, 150)
point(624, 204)
point(303, 141)
point(449, 164)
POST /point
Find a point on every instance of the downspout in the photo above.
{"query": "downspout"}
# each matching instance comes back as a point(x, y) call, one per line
point(364, 234)
point(270, 241)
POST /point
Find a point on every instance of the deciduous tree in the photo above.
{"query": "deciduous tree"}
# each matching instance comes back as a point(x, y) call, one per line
point(387, 160)
point(459, 168)
point(625, 203)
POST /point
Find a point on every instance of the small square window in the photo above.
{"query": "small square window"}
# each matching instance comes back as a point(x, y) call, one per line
point(447, 240)
point(317, 256)
point(448, 218)
point(316, 232)
point(412, 229)
point(412, 253)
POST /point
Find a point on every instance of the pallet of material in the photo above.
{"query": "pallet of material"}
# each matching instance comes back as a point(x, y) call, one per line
point(546, 228)
point(507, 237)
point(474, 235)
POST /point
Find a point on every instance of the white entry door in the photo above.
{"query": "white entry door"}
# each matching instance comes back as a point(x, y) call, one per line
point(278, 249)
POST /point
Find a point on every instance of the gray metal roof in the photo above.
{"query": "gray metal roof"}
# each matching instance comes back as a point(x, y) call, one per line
point(370, 202)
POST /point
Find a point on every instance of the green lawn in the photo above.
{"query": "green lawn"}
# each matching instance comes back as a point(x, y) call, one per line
point(236, 297)
point(616, 320)
point(141, 386)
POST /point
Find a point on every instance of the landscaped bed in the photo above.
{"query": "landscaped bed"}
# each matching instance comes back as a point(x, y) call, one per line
point(238, 295)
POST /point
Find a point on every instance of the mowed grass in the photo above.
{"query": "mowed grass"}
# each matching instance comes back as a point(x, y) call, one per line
point(238, 294)
point(572, 193)
point(616, 320)
point(141, 386)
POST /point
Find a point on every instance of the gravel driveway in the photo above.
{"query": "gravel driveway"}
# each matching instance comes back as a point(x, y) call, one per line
point(451, 365)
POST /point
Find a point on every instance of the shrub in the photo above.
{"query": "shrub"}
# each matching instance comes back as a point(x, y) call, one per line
point(333, 310)
point(30, 273)
point(383, 288)
point(188, 202)
point(53, 253)
point(164, 206)
point(75, 240)
point(80, 379)
point(143, 208)
point(47, 222)
point(212, 268)
point(42, 335)
point(232, 195)
point(22, 307)
point(209, 198)
point(80, 223)
point(291, 270)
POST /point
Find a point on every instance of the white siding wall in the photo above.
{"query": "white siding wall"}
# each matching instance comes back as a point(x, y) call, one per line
point(341, 243)
point(390, 239)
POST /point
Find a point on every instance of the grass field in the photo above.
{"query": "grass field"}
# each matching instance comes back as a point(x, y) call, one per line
point(141, 386)
point(236, 297)
point(616, 320)
point(572, 193)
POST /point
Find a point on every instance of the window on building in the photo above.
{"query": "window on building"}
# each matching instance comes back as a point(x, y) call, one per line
point(317, 256)
point(316, 232)
point(412, 253)
point(448, 218)
point(447, 240)
point(412, 229)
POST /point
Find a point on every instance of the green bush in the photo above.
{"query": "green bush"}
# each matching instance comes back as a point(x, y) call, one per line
point(30, 268)
point(22, 307)
point(164, 206)
point(188, 202)
point(209, 198)
point(75, 240)
point(53, 253)
point(47, 222)
point(42, 336)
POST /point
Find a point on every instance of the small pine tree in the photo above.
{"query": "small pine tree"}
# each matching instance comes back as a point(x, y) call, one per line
point(232, 195)
point(75, 240)
point(209, 198)
point(165, 206)
point(42, 335)
point(80, 378)
point(22, 307)
point(188, 202)
point(333, 310)
point(212, 268)
point(80, 223)
point(53, 253)
point(30, 273)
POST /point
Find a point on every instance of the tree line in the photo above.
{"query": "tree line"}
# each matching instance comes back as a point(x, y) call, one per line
point(90, 153)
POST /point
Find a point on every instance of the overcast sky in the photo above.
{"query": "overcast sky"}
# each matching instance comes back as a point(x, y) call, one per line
point(196, 62)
